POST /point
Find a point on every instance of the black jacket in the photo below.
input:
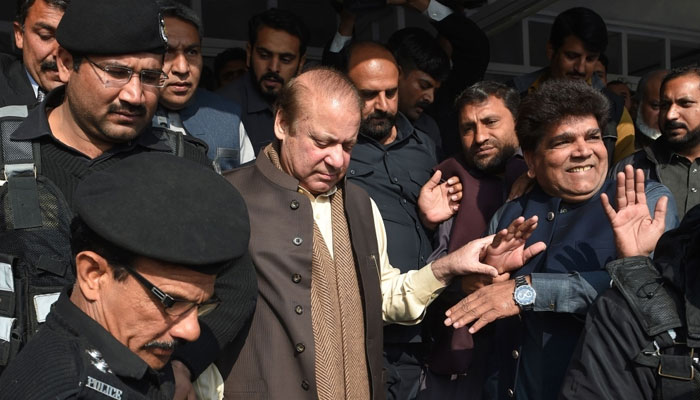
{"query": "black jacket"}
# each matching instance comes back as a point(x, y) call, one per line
point(14, 84)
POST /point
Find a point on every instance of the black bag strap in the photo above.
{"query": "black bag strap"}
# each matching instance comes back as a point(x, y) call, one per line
point(675, 366)
point(13, 151)
point(19, 169)
point(654, 305)
point(175, 140)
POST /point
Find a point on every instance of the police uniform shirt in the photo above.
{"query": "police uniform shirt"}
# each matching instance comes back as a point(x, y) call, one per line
point(66, 167)
point(73, 356)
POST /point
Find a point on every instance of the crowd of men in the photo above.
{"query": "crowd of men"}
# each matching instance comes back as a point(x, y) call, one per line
point(384, 225)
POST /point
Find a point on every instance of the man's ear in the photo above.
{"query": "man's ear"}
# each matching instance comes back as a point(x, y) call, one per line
point(530, 161)
point(302, 60)
point(281, 126)
point(549, 51)
point(19, 35)
point(91, 270)
point(64, 62)
point(248, 54)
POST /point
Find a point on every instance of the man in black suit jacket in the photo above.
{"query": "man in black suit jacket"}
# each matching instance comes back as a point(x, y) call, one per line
point(26, 81)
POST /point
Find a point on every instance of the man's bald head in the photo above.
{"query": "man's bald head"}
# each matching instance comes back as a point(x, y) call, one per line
point(373, 70)
point(361, 52)
point(303, 92)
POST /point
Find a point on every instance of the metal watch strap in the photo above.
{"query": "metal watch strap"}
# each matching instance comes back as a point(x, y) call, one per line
point(520, 281)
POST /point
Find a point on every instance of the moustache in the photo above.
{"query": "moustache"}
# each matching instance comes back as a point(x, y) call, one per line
point(669, 125)
point(162, 345)
point(576, 74)
point(423, 104)
point(272, 76)
point(49, 65)
point(127, 109)
point(380, 115)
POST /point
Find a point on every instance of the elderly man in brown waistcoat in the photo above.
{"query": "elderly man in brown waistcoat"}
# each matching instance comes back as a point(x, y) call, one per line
point(319, 246)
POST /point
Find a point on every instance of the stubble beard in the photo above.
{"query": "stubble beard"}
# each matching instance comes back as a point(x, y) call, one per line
point(494, 165)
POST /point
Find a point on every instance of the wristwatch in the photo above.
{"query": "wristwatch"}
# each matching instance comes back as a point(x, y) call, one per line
point(524, 294)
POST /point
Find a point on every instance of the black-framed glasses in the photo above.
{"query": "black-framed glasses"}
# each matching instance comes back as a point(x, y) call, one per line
point(173, 305)
point(116, 76)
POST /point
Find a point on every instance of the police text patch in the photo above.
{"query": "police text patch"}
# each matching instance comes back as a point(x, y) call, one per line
point(105, 389)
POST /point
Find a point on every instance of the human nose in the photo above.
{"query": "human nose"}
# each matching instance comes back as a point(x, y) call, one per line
point(180, 64)
point(132, 91)
point(335, 157)
point(54, 49)
point(274, 64)
point(381, 102)
point(429, 95)
point(480, 134)
point(580, 66)
point(672, 112)
point(186, 327)
point(582, 149)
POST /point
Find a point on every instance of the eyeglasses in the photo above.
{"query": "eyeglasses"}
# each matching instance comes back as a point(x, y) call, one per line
point(116, 76)
point(172, 305)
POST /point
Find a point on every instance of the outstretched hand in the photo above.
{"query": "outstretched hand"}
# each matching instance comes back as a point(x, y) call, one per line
point(464, 261)
point(636, 232)
point(484, 306)
point(438, 202)
point(507, 252)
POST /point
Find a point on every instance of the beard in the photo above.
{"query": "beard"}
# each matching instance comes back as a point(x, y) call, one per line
point(493, 165)
point(681, 143)
point(647, 130)
point(269, 95)
point(378, 125)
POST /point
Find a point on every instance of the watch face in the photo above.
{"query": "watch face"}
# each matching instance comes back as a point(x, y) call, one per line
point(524, 295)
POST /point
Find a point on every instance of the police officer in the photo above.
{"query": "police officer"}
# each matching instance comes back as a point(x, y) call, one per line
point(111, 58)
point(148, 240)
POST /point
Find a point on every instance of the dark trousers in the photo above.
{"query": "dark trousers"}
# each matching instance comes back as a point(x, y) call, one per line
point(404, 362)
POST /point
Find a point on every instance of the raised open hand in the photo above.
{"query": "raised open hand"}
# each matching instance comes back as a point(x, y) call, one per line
point(636, 232)
point(507, 252)
point(437, 201)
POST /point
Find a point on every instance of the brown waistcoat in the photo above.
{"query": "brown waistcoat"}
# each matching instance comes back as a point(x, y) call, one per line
point(277, 359)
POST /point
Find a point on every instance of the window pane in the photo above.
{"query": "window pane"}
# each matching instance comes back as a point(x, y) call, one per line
point(644, 54)
point(235, 23)
point(507, 46)
point(539, 35)
point(684, 53)
point(614, 52)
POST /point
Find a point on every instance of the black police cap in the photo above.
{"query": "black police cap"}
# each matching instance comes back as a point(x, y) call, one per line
point(112, 27)
point(167, 208)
